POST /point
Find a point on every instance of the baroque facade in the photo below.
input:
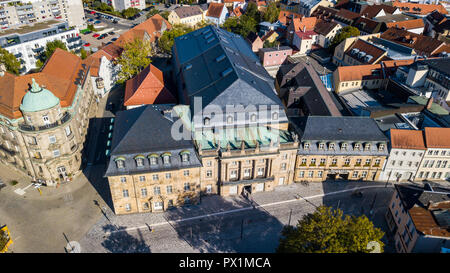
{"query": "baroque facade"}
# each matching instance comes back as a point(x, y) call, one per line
point(45, 117)
point(331, 149)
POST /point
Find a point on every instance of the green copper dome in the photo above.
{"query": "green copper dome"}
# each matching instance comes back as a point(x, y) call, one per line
point(38, 99)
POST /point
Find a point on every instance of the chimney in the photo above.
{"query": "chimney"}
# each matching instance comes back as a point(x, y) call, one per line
point(429, 103)
point(2, 70)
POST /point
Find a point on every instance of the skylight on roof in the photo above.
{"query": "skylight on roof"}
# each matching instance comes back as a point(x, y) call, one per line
point(226, 71)
point(210, 40)
point(220, 58)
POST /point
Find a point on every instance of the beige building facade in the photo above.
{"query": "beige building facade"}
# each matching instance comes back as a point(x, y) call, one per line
point(45, 136)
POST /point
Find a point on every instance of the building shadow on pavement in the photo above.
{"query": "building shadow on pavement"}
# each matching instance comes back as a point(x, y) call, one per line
point(372, 203)
point(251, 229)
point(121, 241)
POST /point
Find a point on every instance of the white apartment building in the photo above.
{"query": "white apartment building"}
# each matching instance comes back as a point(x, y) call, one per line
point(22, 12)
point(120, 5)
point(406, 153)
point(436, 160)
point(28, 42)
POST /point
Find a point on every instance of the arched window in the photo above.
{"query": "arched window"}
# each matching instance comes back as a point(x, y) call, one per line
point(166, 158)
point(120, 162)
point(139, 160)
point(229, 120)
point(185, 156)
point(253, 118)
point(206, 121)
point(153, 159)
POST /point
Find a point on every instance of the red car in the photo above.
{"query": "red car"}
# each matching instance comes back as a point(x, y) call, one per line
point(93, 12)
point(95, 35)
point(87, 44)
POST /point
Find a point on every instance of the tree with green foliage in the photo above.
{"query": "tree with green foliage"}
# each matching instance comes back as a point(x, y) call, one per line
point(165, 15)
point(83, 54)
point(135, 57)
point(91, 28)
point(346, 32)
point(268, 44)
point(253, 12)
point(152, 12)
point(272, 12)
point(50, 47)
point(10, 61)
point(130, 12)
point(327, 231)
point(167, 39)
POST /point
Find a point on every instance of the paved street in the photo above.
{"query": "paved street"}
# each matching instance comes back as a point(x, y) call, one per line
point(215, 225)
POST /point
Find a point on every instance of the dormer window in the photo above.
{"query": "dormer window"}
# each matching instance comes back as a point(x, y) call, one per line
point(331, 146)
point(381, 147)
point(206, 121)
point(153, 159)
point(344, 146)
point(321, 146)
point(139, 160)
point(166, 158)
point(357, 146)
point(120, 162)
point(367, 147)
point(253, 118)
point(306, 146)
point(185, 156)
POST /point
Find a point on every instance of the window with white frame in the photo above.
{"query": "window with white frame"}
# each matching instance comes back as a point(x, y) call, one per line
point(56, 153)
point(186, 172)
point(123, 179)
point(52, 139)
point(155, 177)
point(168, 175)
point(156, 190)
point(169, 189)
point(187, 186)
point(141, 178)
point(127, 207)
point(233, 174)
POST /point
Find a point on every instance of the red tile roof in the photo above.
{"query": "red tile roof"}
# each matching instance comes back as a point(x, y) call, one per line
point(304, 23)
point(421, 44)
point(371, 11)
point(59, 75)
point(368, 49)
point(407, 24)
point(215, 10)
point(407, 139)
point(152, 26)
point(147, 88)
point(419, 8)
point(436, 137)
point(286, 16)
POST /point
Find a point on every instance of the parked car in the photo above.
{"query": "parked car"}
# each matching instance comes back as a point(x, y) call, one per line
point(96, 35)
point(114, 39)
point(87, 32)
point(115, 22)
point(90, 20)
point(87, 44)
point(167, 5)
point(111, 33)
point(97, 22)
point(93, 12)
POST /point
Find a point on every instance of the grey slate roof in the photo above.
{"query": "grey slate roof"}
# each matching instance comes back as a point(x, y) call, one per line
point(440, 64)
point(220, 67)
point(412, 195)
point(317, 98)
point(340, 129)
point(143, 131)
point(188, 11)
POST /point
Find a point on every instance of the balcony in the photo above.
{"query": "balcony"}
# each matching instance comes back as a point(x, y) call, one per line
point(38, 50)
point(30, 128)
point(73, 39)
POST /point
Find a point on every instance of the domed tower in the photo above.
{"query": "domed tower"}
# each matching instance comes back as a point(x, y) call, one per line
point(47, 132)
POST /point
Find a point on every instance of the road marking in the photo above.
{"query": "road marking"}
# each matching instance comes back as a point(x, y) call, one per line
point(22, 191)
point(171, 222)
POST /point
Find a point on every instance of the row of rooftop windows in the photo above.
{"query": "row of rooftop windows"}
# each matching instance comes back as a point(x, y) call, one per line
point(230, 119)
point(153, 159)
point(344, 146)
